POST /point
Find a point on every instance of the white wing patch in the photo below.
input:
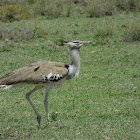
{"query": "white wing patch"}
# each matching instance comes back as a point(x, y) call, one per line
point(49, 75)
point(53, 77)
point(3, 87)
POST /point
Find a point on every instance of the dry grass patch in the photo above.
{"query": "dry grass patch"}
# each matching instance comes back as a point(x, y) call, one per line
point(13, 12)
point(98, 8)
point(128, 5)
point(102, 34)
point(21, 34)
point(132, 33)
point(48, 8)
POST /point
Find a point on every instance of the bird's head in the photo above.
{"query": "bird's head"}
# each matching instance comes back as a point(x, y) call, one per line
point(76, 44)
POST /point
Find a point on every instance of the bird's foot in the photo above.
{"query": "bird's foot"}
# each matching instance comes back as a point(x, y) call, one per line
point(38, 119)
point(48, 121)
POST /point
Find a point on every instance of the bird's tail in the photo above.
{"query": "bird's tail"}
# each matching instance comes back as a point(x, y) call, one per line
point(3, 87)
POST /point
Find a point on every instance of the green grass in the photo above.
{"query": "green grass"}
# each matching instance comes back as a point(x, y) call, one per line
point(102, 103)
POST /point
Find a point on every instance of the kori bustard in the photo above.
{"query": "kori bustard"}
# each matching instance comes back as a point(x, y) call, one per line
point(45, 74)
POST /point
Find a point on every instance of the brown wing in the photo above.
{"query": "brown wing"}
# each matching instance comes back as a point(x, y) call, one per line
point(38, 72)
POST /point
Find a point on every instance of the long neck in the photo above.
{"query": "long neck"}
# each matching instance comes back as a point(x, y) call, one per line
point(74, 67)
point(75, 58)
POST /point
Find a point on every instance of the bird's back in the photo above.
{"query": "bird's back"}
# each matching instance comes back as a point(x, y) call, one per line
point(36, 73)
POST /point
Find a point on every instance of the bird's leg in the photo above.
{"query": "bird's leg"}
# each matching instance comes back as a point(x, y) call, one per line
point(28, 98)
point(46, 102)
point(46, 105)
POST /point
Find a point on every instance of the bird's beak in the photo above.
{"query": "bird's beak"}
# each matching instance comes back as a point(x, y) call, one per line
point(86, 42)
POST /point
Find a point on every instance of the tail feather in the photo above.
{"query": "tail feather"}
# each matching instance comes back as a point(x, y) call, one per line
point(3, 87)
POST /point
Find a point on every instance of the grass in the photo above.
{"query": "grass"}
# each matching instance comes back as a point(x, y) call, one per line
point(132, 33)
point(12, 12)
point(20, 10)
point(102, 103)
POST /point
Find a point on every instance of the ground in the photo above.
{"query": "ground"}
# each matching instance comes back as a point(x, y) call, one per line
point(102, 103)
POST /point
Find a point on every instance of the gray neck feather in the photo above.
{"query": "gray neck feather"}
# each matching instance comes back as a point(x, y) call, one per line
point(74, 68)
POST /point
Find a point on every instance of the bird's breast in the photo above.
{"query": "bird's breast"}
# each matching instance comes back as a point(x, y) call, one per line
point(73, 71)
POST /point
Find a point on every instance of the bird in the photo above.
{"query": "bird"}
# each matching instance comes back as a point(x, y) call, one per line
point(45, 74)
